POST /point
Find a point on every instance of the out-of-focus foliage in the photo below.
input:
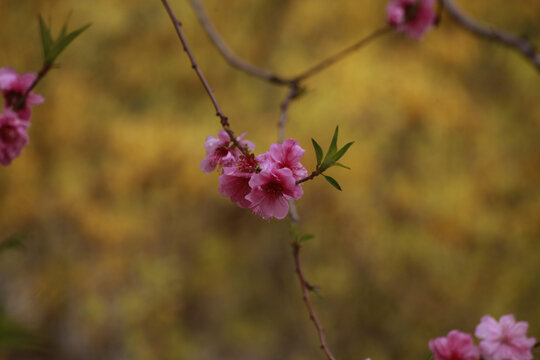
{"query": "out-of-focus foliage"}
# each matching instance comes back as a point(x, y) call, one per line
point(132, 252)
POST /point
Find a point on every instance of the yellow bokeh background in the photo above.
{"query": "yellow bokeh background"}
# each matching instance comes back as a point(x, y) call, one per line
point(131, 253)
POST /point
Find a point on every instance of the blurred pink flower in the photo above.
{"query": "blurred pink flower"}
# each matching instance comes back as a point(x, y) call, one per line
point(504, 340)
point(234, 182)
point(220, 151)
point(13, 137)
point(13, 87)
point(286, 155)
point(271, 189)
point(414, 17)
point(455, 346)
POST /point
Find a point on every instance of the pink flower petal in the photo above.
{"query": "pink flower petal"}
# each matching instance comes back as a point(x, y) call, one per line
point(423, 17)
point(7, 77)
point(35, 99)
point(455, 346)
point(26, 80)
point(13, 137)
point(505, 339)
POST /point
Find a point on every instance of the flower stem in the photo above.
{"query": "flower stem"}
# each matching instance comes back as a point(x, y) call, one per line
point(41, 74)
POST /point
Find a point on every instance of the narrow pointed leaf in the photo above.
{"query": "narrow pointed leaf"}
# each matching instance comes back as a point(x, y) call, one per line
point(342, 151)
point(333, 145)
point(430, 356)
point(318, 151)
point(332, 182)
point(343, 166)
point(46, 39)
point(61, 44)
point(329, 158)
point(328, 162)
point(306, 237)
point(63, 31)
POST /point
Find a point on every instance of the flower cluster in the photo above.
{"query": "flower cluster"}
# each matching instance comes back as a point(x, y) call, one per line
point(413, 17)
point(15, 119)
point(502, 340)
point(261, 183)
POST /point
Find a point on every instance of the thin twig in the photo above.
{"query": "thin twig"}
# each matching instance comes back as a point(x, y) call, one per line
point(228, 54)
point(342, 54)
point(264, 74)
point(41, 74)
point(512, 41)
point(223, 119)
point(307, 300)
point(294, 92)
point(311, 176)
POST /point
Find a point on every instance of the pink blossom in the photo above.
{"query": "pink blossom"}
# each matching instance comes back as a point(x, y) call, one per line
point(504, 340)
point(234, 182)
point(13, 87)
point(455, 346)
point(414, 17)
point(13, 137)
point(271, 189)
point(286, 155)
point(220, 151)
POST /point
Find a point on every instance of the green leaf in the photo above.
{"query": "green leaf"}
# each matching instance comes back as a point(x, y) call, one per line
point(46, 39)
point(343, 166)
point(342, 151)
point(329, 158)
point(306, 237)
point(63, 31)
point(333, 145)
point(430, 356)
point(62, 42)
point(332, 182)
point(318, 151)
point(13, 242)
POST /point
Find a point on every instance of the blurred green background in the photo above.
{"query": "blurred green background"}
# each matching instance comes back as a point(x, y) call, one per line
point(131, 253)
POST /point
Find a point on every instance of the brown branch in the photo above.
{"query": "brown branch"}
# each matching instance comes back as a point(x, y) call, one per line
point(305, 294)
point(311, 176)
point(41, 74)
point(228, 54)
point(294, 92)
point(306, 287)
point(341, 55)
point(512, 41)
point(223, 119)
point(264, 74)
